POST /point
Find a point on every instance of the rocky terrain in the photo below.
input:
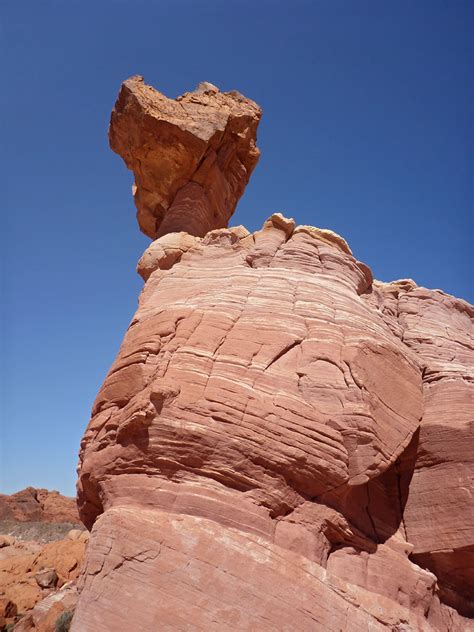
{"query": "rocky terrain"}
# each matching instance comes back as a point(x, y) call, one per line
point(42, 546)
point(282, 443)
point(37, 509)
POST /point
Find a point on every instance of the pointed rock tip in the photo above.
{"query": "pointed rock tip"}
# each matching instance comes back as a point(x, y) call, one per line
point(278, 220)
point(135, 79)
point(206, 86)
point(406, 284)
point(326, 235)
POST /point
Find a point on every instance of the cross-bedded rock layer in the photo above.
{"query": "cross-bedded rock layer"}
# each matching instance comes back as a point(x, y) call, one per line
point(279, 445)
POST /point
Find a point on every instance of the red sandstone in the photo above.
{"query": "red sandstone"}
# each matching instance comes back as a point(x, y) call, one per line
point(282, 443)
point(39, 505)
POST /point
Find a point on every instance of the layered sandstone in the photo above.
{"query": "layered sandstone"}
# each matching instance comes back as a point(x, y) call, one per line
point(439, 516)
point(280, 443)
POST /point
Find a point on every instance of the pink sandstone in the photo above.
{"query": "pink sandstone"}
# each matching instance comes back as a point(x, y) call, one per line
point(281, 442)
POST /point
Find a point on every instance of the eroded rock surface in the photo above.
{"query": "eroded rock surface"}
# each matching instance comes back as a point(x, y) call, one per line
point(280, 444)
point(38, 505)
point(439, 516)
point(191, 156)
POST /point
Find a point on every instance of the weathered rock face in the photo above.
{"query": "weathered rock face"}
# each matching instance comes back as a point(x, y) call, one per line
point(439, 516)
point(192, 157)
point(39, 505)
point(264, 453)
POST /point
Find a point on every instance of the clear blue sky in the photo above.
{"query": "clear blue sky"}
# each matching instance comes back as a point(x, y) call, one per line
point(367, 130)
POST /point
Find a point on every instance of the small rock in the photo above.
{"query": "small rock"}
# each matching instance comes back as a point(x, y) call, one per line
point(6, 540)
point(47, 578)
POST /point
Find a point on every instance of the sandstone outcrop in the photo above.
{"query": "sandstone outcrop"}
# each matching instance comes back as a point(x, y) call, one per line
point(281, 442)
point(38, 505)
point(191, 156)
point(439, 516)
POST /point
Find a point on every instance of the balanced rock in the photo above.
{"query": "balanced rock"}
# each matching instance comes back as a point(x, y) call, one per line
point(272, 447)
point(191, 156)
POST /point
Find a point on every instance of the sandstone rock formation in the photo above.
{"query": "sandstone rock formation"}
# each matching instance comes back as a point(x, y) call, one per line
point(192, 156)
point(39, 505)
point(281, 442)
point(439, 516)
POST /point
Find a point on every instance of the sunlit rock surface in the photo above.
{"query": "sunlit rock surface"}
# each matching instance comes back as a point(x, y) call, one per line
point(191, 156)
point(281, 442)
point(41, 555)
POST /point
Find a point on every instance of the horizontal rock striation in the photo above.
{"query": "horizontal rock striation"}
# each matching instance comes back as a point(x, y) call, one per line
point(439, 515)
point(280, 444)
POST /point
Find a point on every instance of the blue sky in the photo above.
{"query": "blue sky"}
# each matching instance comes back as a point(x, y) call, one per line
point(367, 130)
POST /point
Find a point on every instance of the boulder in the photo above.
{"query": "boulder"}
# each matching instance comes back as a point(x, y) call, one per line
point(47, 578)
point(191, 156)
